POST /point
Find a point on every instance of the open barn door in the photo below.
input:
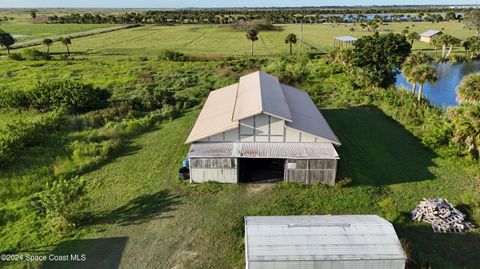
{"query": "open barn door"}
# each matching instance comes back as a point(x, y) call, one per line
point(261, 170)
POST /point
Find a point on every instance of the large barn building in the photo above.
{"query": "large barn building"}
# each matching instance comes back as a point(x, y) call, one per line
point(322, 242)
point(259, 129)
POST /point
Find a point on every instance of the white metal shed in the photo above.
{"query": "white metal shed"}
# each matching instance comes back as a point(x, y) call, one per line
point(327, 242)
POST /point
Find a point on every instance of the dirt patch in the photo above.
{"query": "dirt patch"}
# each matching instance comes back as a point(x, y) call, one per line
point(259, 187)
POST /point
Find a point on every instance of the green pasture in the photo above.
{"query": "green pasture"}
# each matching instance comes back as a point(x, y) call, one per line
point(141, 210)
point(222, 40)
point(34, 31)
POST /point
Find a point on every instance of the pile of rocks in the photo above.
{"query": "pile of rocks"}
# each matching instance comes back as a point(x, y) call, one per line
point(441, 215)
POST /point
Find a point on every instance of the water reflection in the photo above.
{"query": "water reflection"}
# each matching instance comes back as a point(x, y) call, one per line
point(443, 92)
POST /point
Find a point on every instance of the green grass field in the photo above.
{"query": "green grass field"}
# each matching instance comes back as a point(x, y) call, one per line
point(221, 40)
point(154, 220)
point(33, 31)
point(142, 217)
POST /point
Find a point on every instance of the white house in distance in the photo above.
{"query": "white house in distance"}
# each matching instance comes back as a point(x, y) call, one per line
point(428, 35)
point(259, 129)
point(320, 242)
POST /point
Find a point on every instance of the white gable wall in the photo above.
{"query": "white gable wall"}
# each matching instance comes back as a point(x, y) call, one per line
point(263, 128)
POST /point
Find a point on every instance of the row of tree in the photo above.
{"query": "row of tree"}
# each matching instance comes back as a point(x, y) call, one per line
point(277, 15)
point(7, 41)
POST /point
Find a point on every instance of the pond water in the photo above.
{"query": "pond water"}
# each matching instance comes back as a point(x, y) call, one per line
point(443, 92)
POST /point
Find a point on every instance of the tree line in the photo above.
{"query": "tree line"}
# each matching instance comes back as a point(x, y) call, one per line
point(277, 15)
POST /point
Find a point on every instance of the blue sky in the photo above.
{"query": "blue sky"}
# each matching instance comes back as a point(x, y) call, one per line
point(217, 3)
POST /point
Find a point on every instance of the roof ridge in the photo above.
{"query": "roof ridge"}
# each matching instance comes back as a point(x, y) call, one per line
point(235, 103)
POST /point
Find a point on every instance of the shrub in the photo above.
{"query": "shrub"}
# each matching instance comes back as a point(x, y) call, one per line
point(61, 203)
point(171, 55)
point(289, 70)
point(35, 55)
point(20, 134)
point(99, 118)
point(157, 97)
point(72, 95)
point(84, 155)
point(15, 56)
point(13, 99)
point(436, 128)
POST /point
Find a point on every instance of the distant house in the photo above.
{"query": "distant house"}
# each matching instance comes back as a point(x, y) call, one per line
point(259, 129)
point(317, 242)
point(428, 35)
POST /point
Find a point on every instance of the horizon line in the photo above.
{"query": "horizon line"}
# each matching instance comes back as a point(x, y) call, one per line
point(255, 7)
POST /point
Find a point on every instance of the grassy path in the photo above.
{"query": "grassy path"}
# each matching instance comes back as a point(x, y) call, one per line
point(39, 41)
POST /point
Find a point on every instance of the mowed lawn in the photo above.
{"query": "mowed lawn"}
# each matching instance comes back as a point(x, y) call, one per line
point(222, 40)
point(144, 218)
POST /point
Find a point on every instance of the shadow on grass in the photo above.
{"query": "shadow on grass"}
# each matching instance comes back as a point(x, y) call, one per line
point(103, 253)
point(440, 250)
point(142, 209)
point(376, 150)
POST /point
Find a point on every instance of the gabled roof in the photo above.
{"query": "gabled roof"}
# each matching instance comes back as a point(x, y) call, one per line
point(320, 238)
point(430, 33)
point(216, 115)
point(258, 93)
point(305, 114)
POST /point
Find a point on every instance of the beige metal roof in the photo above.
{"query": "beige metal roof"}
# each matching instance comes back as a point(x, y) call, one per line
point(216, 115)
point(305, 114)
point(257, 93)
point(264, 150)
point(260, 92)
point(317, 238)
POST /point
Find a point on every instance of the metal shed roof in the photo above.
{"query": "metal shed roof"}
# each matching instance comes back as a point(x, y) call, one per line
point(257, 93)
point(430, 33)
point(346, 38)
point(316, 238)
point(264, 150)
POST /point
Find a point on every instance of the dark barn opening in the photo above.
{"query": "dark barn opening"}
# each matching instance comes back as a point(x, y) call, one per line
point(258, 170)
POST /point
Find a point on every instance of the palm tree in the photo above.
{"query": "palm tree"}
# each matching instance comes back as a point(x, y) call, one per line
point(6, 40)
point(435, 42)
point(291, 39)
point(252, 35)
point(66, 41)
point(422, 74)
point(47, 42)
point(469, 89)
point(412, 36)
point(411, 62)
point(447, 40)
point(466, 122)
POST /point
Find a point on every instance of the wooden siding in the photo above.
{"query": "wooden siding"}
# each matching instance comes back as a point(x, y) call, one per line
point(213, 163)
point(311, 171)
point(222, 170)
